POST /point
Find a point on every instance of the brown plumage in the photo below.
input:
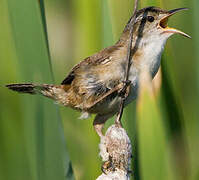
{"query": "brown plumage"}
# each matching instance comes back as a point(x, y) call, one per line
point(94, 85)
point(88, 87)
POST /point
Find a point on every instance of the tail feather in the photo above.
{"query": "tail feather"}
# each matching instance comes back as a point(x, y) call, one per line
point(22, 88)
point(55, 92)
point(30, 88)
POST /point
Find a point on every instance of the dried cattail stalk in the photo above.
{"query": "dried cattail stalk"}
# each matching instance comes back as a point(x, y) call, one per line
point(115, 150)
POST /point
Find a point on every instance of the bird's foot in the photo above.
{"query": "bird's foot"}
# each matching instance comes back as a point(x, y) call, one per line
point(125, 89)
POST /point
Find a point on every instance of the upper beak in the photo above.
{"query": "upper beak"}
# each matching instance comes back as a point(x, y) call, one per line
point(164, 20)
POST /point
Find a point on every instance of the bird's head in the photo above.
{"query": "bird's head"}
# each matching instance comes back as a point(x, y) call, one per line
point(152, 23)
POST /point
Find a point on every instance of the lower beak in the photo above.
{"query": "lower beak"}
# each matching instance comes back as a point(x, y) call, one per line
point(163, 23)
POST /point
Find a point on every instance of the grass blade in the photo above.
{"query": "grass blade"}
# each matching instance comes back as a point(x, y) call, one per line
point(42, 141)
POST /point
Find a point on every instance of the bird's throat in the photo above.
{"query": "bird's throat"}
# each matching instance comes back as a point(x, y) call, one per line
point(148, 53)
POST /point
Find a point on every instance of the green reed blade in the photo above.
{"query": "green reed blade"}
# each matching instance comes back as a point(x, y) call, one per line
point(44, 151)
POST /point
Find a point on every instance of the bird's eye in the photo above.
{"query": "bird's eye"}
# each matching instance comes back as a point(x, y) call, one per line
point(150, 18)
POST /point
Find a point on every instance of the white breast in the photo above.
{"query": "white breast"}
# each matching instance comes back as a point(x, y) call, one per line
point(153, 48)
point(150, 58)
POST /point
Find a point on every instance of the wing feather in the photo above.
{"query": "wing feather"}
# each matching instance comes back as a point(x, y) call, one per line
point(87, 85)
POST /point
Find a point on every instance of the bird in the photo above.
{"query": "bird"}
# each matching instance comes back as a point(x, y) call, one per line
point(94, 85)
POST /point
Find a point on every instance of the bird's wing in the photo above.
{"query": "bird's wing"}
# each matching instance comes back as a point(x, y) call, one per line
point(91, 80)
point(96, 59)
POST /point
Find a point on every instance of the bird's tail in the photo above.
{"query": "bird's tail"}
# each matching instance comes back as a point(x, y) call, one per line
point(51, 91)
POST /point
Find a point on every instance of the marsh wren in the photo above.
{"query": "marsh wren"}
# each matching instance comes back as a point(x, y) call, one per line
point(93, 86)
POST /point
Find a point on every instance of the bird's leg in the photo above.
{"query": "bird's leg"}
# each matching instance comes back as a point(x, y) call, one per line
point(99, 122)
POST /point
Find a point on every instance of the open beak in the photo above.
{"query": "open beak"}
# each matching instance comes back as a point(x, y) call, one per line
point(164, 23)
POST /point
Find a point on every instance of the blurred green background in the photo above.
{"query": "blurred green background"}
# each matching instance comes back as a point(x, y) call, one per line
point(40, 41)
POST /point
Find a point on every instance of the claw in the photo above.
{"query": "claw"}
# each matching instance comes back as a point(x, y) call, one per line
point(125, 90)
point(128, 82)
